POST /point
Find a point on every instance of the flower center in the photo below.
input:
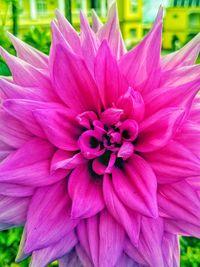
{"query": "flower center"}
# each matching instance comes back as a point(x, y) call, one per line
point(107, 140)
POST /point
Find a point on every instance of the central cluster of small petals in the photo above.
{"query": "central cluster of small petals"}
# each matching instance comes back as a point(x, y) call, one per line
point(107, 138)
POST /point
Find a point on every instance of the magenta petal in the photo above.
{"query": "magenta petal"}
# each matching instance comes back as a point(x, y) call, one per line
point(111, 240)
point(141, 65)
point(25, 74)
point(70, 260)
point(110, 81)
point(10, 90)
point(111, 116)
point(125, 261)
point(48, 217)
point(85, 192)
point(171, 96)
point(66, 160)
point(96, 22)
point(190, 131)
point(70, 35)
point(126, 150)
point(85, 260)
point(171, 250)
point(12, 131)
point(157, 130)
point(124, 216)
point(181, 227)
point(45, 256)
point(14, 190)
point(184, 57)
point(110, 32)
point(60, 127)
point(137, 169)
point(181, 163)
point(173, 202)
point(5, 150)
point(73, 81)
point(82, 235)
point(150, 245)
point(13, 211)
point(137, 186)
point(89, 42)
point(22, 109)
point(30, 165)
point(134, 254)
point(180, 76)
point(28, 53)
point(93, 238)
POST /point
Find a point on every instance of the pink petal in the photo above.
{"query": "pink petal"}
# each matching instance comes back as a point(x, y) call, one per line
point(134, 254)
point(57, 38)
point(141, 65)
point(14, 190)
point(28, 53)
point(22, 109)
point(132, 104)
point(85, 192)
point(124, 216)
point(181, 227)
point(125, 261)
point(173, 162)
point(111, 116)
point(85, 260)
point(45, 256)
point(150, 245)
point(126, 150)
point(89, 42)
point(190, 131)
point(184, 57)
point(173, 202)
point(82, 235)
point(25, 74)
point(180, 76)
point(66, 160)
point(171, 96)
point(111, 240)
point(14, 91)
point(60, 127)
point(110, 31)
point(30, 165)
point(73, 81)
point(136, 186)
point(48, 217)
point(96, 22)
point(5, 150)
point(110, 81)
point(13, 211)
point(70, 35)
point(70, 260)
point(93, 238)
point(157, 130)
point(171, 250)
point(12, 131)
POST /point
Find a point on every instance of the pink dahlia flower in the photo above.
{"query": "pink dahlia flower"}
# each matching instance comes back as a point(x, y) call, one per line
point(100, 157)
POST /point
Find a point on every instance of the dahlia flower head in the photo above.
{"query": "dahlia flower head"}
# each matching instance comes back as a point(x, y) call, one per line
point(99, 147)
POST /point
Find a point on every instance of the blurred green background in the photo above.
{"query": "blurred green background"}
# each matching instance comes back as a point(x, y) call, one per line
point(30, 19)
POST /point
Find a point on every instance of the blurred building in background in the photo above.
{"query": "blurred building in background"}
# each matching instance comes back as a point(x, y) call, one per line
point(181, 23)
point(28, 17)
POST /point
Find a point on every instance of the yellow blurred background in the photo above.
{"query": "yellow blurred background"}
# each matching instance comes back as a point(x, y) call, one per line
point(181, 21)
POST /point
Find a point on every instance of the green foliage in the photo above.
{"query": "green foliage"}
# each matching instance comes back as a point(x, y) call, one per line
point(9, 242)
point(190, 252)
point(39, 38)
